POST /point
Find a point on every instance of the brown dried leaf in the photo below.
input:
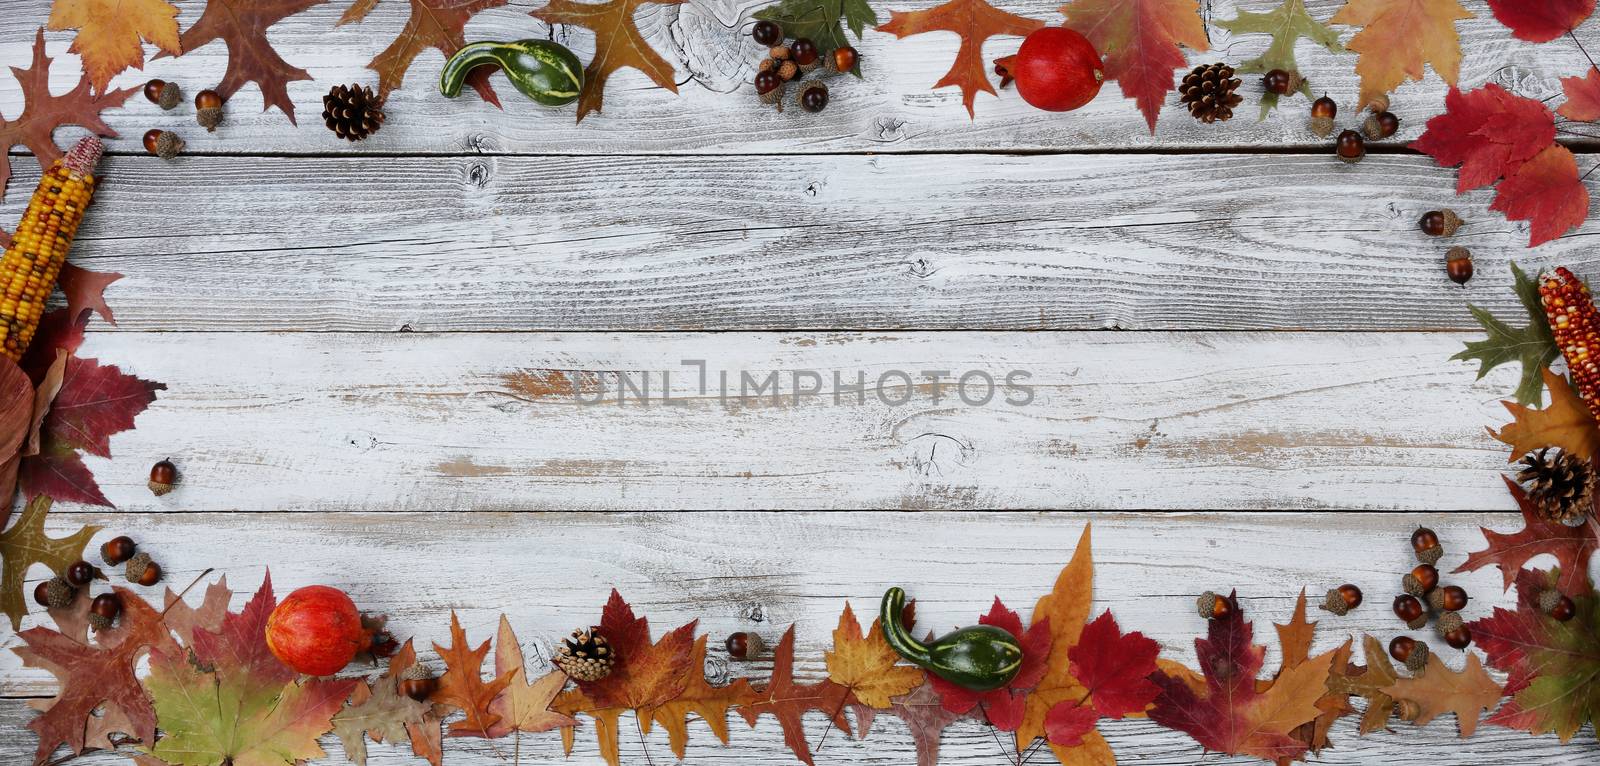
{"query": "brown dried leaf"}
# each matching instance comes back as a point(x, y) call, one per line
point(43, 112)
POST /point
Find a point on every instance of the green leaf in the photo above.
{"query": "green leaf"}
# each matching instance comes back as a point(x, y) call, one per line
point(1532, 346)
point(819, 20)
point(26, 544)
point(1287, 24)
point(1553, 665)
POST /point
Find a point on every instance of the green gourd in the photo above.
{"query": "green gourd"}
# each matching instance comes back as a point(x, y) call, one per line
point(980, 657)
point(542, 70)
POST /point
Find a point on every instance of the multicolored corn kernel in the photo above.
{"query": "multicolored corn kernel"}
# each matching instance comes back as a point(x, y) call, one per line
point(29, 268)
point(1575, 325)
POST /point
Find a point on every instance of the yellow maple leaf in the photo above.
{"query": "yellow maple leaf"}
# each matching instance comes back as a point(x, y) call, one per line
point(1399, 37)
point(1067, 608)
point(110, 33)
point(1566, 423)
point(868, 666)
point(1292, 698)
point(700, 698)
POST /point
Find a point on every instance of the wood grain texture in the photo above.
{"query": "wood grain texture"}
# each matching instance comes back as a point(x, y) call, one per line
point(893, 110)
point(491, 421)
point(761, 572)
point(818, 242)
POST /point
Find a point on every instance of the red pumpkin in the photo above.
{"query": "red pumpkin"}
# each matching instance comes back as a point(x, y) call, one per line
point(316, 631)
point(1056, 69)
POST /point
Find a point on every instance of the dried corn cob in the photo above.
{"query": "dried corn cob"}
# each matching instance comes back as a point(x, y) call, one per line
point(1575, 324)
point(29, 269)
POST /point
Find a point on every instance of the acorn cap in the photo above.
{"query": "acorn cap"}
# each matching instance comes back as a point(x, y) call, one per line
point(1412, 585)
point(1548, 599)
point(59, 593)
point(171, 95)
point(134, 570)
point(1431, 555)
point(1436, 599)
point(99, 621)
point(209, 117)
point(1419, 623)
point(1335, 603)
point(1321, 126)
point(1417, 662)
point(1207, 604)
point(1449, 622)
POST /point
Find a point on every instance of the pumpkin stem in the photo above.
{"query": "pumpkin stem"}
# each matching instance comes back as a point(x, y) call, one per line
point(470, 57)
point(894, 629)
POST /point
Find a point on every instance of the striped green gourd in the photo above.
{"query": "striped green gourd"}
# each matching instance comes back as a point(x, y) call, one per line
point(542, 70)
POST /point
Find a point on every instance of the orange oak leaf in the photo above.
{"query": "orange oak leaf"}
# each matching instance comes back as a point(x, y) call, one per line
point(242, 26)
point(1441, 690)
point(1235, 715)
point(1399, 37)
point(1066, 608)
point(110, 31)
point(1547, 193)
point(427, 735)
point(1572, 546)
point(43, 112)
point(617, 44)
point(523, 706)
point(1566, 424)
point(437, 24)
point(867, 665)
point(974, 21)
point(462, 685)
point(85, 290)
point(98, 675)
point(699, 698)
point(1583, 96)
point(1294, 640)
point(1139, 40)
point(788, 701)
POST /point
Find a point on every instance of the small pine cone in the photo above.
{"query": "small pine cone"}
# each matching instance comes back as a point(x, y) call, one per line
point(1548, 599)
point(1335, 603)
point(1417, 662)
point(170, 96)
point(134, 569)
point(1575, 323)
point(209, 117)
point(1561, 487)
point(788, 70)
point(352, 112)
point(586, 656)
point(1209, 92)
point(1448, 623)
point(59, 593)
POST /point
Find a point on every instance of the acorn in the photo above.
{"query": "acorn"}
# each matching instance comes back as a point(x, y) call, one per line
point(117, 550)
point(1421, 580)
point(208, 109)
point(769, 86)
point(1323, 110)
point(1342, 599)
point(843, 59)
point(1380, 125)
point(1350, 146)
point(744, 646)
point(163, 94)
point(1450, 598)
point(1460, 638)
point(417, 684)
point(1556, 604)
point(103, 610)
point(1211, 606)
point(1410, 610)
point(81, 573)
point(1439, 223)
point(1458, 265)
point(1411, 652)
point(814, 97)
point(1449, 621)
point(142, 570)
point(1407, 710)
point(163, 143)
point(767, 32)
point(163, 477)
point(1280, 82)
point(1426, 545)
point(56, 593)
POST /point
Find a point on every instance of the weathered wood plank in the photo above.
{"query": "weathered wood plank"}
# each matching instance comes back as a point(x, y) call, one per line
point(760, 572)
point(816, 242)
point(492, 421)
point(893, 110)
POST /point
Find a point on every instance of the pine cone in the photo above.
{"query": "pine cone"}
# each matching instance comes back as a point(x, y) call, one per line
point(1561, 487)
point(586, 656)
point(352, 112)
point(1208, 92)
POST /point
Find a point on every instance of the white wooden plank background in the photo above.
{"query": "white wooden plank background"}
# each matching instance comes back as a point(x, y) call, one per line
point(358, 342)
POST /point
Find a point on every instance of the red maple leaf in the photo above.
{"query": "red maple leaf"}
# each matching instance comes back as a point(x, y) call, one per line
point(1140, 39)
point(95, 401)
point(1547, 193)
point(1551, 665)
point(85, 290)
point(1489, 132)
point(788, 701)
point(1583, 97)
point(100, 675)
point(43, 112)
point(242, 26)
point(1572, 546)
point(1539, 21)
point(59, 330)
point(1003, 707)
point(1114, 668)
point(646, 674)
